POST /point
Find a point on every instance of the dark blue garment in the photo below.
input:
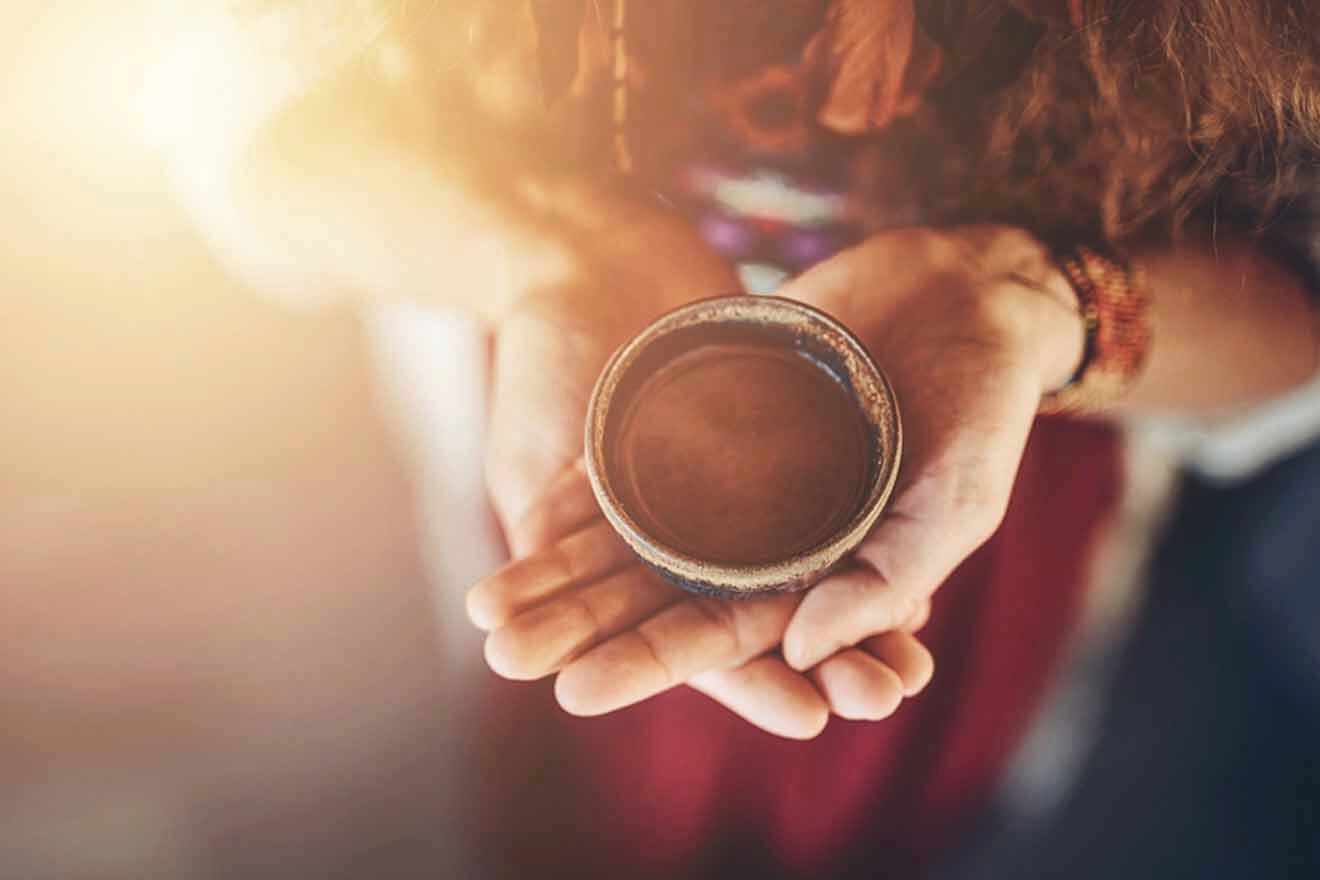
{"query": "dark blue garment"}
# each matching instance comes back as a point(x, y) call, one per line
point(1208, 761)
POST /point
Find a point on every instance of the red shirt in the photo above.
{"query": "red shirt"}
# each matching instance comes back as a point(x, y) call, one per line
point(680, 787)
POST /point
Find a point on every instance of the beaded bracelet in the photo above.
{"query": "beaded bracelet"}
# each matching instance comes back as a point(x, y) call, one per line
point(1115, 304)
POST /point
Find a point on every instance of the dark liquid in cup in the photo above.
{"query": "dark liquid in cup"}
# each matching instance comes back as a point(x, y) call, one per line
point(741, 454)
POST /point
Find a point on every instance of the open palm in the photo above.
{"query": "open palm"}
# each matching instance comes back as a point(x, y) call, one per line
point(634, 264)
point(972, 328)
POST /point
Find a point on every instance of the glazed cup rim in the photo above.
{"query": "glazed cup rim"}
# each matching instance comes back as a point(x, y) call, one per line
point(867, 386)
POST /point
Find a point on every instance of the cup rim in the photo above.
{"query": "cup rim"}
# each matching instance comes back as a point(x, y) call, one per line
point(867, 386)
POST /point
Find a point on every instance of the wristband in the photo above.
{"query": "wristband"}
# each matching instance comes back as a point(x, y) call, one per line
point(1114, 302)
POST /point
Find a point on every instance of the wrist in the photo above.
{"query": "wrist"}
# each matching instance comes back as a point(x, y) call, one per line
point(1048, 315)
point(1061, 335)
point(640, 256)
point(631, 261)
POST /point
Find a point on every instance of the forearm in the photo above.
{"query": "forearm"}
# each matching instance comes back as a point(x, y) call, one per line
point(1231, 326)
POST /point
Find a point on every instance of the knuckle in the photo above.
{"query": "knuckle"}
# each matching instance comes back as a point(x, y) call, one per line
point(939, 246)
point(590, 619)
point(655, 650)
point(564, 562)
point(723, 616)
point(981, 511)
point(899, 613)
point(972, 501)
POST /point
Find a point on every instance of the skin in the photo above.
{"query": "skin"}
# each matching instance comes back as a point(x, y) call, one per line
point(987, 327)
point(972, 326)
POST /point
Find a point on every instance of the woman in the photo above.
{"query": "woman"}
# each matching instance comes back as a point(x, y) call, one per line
point(1093, 204)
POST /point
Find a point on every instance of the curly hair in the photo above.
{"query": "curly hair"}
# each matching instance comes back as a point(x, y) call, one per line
point(1127, 117)
point(1112, 118)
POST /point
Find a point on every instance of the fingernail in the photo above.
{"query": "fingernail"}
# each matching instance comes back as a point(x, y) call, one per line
point(502, 656)
point(478, 608)
point(575, 695)
point(797, 656)
point(815, 727)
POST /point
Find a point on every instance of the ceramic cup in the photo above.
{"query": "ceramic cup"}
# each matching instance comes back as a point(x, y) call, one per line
point(784, 328)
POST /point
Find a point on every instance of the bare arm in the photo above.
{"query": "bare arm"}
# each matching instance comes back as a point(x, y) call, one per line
point(1232, 327)
point(972, 326)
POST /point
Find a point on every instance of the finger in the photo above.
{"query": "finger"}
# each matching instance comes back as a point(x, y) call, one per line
point(842, 610)
point(899, 566)
point(540, 641)
point(580, 558)
point(905, 655)
point(857, 686)
point(919, 618)
point(690, 638)
point(767, 693)
point(567, 505)
point(971, 387)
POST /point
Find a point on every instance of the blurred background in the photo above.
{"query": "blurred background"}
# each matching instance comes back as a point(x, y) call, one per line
point(231, 634)
point(220, 653)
